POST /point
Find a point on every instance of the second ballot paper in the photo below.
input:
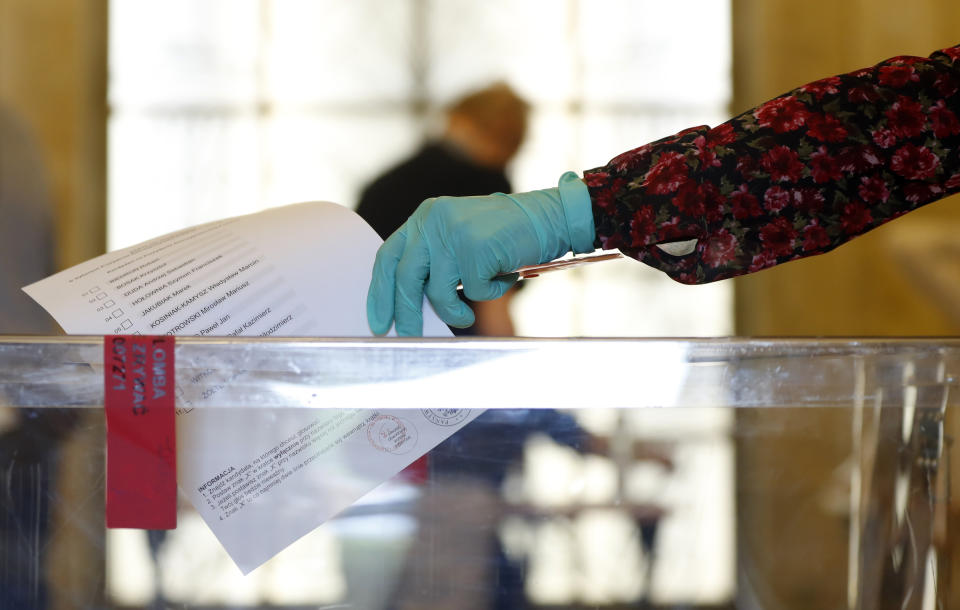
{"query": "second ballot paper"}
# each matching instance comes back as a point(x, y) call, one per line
point(298, 270)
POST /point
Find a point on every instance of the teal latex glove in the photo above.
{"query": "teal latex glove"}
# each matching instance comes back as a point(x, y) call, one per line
point(471, 240)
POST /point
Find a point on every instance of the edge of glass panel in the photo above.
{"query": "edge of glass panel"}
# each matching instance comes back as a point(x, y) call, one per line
point(570, 373)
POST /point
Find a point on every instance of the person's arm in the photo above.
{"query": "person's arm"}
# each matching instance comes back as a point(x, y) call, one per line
point(796, 176)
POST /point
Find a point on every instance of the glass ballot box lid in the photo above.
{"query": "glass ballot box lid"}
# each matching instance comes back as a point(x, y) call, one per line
point(453, 473)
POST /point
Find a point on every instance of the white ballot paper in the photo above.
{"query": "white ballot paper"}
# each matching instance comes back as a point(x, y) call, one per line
point(260, 478)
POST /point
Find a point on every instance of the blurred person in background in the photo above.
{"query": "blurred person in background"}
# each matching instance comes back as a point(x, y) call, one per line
point(29, 438)
point(482, 132)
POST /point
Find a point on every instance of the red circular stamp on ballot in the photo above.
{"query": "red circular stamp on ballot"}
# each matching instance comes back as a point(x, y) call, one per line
point(391, 434)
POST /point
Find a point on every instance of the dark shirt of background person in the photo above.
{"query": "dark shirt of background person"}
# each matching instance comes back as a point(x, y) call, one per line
point(482, 132)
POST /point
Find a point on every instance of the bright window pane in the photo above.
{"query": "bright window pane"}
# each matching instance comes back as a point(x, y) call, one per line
point(315, 156)
point(183, 51)
point(664, 53)
point(529, 44)
point(335, 51)
point(170, 171)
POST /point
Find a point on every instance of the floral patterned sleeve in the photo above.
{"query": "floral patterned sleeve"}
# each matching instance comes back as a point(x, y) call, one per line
point(796, 176)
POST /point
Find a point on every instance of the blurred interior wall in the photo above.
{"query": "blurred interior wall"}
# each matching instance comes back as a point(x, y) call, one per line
point(795, 545)
point(53, 75)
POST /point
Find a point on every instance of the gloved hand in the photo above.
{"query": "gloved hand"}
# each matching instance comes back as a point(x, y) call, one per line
point(470, 240)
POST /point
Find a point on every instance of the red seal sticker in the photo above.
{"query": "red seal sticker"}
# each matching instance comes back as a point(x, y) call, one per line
point(139, 401)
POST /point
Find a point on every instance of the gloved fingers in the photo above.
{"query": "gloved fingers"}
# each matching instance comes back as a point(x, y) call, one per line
point(441, 289)
point(477, 288)
point(505, 283)
point(412, 272)
point(382, 291)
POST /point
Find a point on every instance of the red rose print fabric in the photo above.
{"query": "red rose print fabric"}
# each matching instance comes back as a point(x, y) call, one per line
point(796, 176)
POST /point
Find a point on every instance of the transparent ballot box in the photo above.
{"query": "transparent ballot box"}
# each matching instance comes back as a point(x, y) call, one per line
point(603, 473)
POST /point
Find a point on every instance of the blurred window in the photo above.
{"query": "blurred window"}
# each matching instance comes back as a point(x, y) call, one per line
point(225, 107)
